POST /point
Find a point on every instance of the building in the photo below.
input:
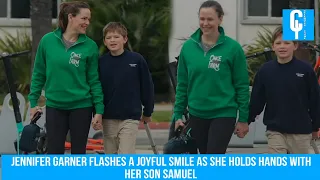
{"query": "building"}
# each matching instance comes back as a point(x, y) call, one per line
point(15, 15)
point(242, 20)
point(242, 17)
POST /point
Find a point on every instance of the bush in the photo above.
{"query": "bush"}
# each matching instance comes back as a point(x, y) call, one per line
point(21, 65)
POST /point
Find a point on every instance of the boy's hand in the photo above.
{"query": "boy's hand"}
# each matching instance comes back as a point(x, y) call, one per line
point(146, 119)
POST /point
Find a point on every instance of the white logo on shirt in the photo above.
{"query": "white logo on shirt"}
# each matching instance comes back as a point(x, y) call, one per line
point(75, 59)
point(214, 62)
point(299, 74)
point(132, 65)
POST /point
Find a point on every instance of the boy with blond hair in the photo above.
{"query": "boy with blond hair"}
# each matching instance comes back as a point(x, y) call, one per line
point(288, 89)
point(127, 86)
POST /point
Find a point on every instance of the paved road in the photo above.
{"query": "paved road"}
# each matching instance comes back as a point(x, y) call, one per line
point(160, 137)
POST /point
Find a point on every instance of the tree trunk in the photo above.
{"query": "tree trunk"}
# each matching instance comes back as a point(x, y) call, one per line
point(41, 23)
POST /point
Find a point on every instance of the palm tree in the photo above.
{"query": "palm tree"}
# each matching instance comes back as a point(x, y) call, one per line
point(263, 40)
point(20, 65)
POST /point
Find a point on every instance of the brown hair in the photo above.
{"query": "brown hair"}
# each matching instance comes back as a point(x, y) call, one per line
point(67, 8)
point(115, 27)
point(213, 4)
point(278, 32)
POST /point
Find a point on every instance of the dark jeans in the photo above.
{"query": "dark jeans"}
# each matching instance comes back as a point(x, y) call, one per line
point(212, 135)
point(59, 122)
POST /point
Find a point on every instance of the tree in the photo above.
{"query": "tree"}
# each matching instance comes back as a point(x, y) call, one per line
point(262, 40)
point(20, 65)
point(41, 22)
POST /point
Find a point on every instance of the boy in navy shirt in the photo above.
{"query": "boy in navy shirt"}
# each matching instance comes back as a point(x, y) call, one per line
point(288, 89)
point(127, 86)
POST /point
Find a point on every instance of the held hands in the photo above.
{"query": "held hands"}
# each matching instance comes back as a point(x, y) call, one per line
point(97, 122)
point(241, 130)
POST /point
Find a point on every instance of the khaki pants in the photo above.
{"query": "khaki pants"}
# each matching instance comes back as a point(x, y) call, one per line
point(119, 136)
point(279, 143)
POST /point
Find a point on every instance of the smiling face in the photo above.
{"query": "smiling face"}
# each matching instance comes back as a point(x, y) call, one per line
point(209, 20)
point(81, 21)
point(115, 41)
point(284, 49)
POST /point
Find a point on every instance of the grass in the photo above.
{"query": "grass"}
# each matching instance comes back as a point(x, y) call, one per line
point(161, 116)
point(2, 95)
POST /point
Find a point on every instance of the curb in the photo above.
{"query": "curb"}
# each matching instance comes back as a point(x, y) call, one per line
point(156, 125)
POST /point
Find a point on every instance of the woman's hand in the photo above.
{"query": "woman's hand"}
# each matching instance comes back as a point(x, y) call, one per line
point(33, 111)
point(178, 123)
